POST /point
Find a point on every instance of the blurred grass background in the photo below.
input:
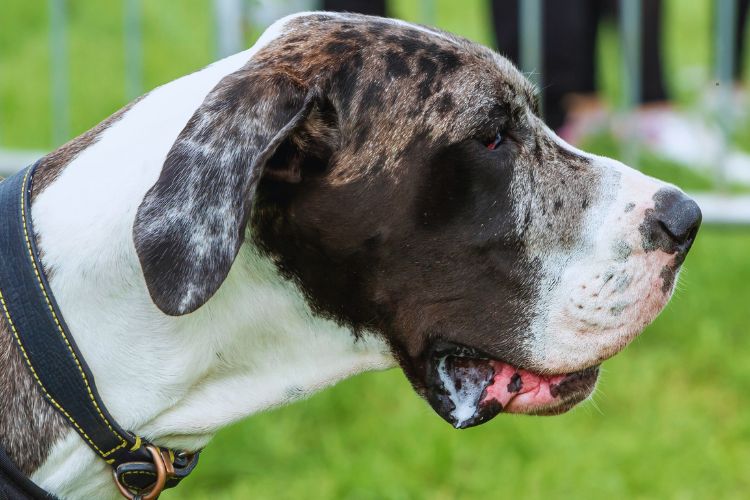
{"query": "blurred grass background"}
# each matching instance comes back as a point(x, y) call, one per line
point(670, 418)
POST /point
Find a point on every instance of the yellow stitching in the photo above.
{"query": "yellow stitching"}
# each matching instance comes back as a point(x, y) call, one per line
point(57, 322)
point(59, 327)
point(33, 372)
point(137, 443)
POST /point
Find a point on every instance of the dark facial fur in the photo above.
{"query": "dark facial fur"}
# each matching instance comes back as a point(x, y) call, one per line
point(357, 150)
point(410, 226)
point(29, 426)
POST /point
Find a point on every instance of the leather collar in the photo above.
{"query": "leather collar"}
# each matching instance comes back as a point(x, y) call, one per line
point(140, 469)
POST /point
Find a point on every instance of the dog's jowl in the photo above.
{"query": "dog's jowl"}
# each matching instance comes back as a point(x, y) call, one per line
point(351, 193)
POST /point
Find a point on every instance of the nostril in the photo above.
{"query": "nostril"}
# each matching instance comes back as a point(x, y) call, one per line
point(677, 217)
point(681, 219)
point(665, 228)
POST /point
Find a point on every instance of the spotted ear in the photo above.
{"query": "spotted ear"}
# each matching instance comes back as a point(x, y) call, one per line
point(192, 222)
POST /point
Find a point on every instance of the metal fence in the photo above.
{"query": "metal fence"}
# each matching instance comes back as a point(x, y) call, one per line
point(232, 15)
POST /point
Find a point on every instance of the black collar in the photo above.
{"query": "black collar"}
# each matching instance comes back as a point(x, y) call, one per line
point(51, 355)
point(14, 485)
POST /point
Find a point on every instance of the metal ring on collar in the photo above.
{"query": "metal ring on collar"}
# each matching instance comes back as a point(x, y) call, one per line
point(164, 469)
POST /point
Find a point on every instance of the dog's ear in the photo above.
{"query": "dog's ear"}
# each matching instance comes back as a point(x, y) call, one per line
point(192, 222)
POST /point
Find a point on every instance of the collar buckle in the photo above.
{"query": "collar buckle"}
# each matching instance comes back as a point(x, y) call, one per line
point(146, 480)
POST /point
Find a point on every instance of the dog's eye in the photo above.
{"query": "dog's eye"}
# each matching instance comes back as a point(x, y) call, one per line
point(494, 142)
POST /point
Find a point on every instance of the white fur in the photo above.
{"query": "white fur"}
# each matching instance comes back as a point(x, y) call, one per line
point(584, 315)
point(174, 380)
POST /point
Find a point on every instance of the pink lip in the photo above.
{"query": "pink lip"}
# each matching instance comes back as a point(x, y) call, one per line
point(521, 391)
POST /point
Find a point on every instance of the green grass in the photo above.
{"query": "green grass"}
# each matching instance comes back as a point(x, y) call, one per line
point(670, 419)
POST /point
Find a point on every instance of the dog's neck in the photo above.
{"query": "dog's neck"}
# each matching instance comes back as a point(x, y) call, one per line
point(174, 380)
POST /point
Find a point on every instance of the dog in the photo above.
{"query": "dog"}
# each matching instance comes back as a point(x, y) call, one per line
point(352, 193)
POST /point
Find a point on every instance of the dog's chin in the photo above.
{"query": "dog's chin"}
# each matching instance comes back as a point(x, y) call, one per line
point(467, 389)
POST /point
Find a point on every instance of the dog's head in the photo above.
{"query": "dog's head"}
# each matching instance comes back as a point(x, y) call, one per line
point(403, 178)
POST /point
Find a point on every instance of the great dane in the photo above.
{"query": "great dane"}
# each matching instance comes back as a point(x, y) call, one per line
point(350, 194)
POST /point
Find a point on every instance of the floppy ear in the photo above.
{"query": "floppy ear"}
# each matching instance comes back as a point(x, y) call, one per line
point(191, 223)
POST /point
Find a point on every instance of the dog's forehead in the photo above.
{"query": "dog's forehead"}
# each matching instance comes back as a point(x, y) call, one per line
point(403, 91)
point(388, 69)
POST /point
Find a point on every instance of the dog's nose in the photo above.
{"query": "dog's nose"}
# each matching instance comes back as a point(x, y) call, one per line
point(678, 216)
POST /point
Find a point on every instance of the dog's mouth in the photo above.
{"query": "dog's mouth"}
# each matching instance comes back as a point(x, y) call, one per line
point(468, 389)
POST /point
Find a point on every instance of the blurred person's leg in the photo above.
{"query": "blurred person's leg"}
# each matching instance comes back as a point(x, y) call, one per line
point(569, 42)
point(652, 74)
point(371, 7)
point(739, 38)
point(586, 112)
point(505, 21)
point(570, 29)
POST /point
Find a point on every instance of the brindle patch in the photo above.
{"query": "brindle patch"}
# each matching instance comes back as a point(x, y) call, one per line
point(29, 426)
point(399, 59)
point(396, 65)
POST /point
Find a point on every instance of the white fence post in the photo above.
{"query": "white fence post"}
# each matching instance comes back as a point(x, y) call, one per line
point(133, 49)
point(724, 28)
point(530, 43)
point(428, 12)
point(630, 66)
point(229, 39)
